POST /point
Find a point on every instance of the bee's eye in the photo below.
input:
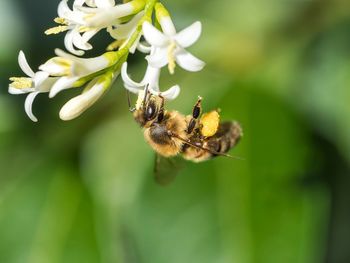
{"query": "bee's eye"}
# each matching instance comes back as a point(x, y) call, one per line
point(150, 112)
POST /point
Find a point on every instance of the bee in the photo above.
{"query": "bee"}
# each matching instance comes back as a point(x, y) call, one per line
point(196, 137)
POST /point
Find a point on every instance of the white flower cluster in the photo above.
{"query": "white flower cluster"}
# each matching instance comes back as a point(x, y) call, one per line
point(126, 23)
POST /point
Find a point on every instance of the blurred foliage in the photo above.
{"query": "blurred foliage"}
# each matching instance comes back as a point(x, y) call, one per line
point(83, 191)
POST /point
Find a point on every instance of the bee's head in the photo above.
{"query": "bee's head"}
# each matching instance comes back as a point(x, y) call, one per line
point(149, 108)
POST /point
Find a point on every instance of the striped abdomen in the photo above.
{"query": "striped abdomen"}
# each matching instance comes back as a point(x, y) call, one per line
point(227, 136)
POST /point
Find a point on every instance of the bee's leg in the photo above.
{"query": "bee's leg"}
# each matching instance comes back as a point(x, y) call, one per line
point(196, 112)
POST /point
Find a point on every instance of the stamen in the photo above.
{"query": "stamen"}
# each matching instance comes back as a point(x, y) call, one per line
point(56, 30)
point(61, 21)
point(171, 57)
point(21, 83)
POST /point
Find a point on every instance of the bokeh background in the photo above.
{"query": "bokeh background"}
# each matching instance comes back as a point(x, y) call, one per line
point(83, 191)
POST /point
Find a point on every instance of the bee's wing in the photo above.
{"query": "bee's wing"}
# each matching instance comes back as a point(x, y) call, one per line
point(166, 169)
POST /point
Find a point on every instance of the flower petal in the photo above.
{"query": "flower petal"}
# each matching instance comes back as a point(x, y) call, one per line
point(62, 84)
point(71, 37)
point(87, 36)
point(63, 9)
point(158, 57)
point(133, 89)
point(81, 41)
point(103, 17)
point(79, 104)
point(168, 26)
point(144, 48)
point(22, 61)
point(189, 62)
point(28, 105)
point(127, 80)
point(171, 93)
point(189, 35)
point(133, 48)
point(90, 3)
point(40, 77)
point(104, 3)
point(15, 91)
point(53, 68)
point(124, 31)
point(151, 78)
point(153, 36)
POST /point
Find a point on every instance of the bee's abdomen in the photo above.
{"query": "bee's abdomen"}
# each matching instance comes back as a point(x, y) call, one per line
point(228, 135)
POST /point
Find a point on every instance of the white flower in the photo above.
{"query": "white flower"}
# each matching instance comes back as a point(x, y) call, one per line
point(73, 22)
point(124, 32)
point(34, 84)
point(71, 68)
point(169, 46)
point(99, 3)
point(106, 15)
point(82, 23)
point(93, 91)
point(149, 81)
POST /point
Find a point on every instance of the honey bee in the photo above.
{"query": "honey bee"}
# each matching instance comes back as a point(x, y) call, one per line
point(197, 137)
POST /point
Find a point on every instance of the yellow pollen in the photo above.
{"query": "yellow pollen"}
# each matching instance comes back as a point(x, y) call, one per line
point(56, 30)
point(21, 83)
point(61, 21)
point(171, 57)
point(209, 123)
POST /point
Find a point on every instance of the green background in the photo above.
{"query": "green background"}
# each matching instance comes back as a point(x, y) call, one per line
point(83, 191)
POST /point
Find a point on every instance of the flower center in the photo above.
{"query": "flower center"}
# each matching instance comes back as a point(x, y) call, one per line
point(21, 83)
point(171, 57)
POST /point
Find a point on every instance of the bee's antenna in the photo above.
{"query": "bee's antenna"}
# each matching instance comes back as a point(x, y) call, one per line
point(161, 109)
point(131, 109)
point(203, 148)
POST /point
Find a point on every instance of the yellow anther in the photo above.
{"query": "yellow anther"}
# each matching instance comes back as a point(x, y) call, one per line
point(61, 21)
point(171, 57)
point(56, 30)
point(21, 83)
point(209, 123)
